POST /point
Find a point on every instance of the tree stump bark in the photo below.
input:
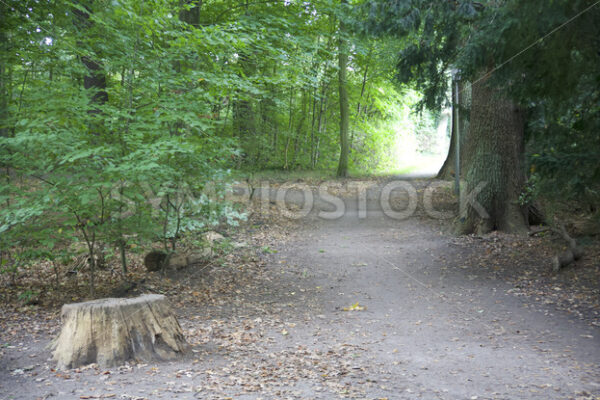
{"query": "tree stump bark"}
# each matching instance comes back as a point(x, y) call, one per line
point(112, 331)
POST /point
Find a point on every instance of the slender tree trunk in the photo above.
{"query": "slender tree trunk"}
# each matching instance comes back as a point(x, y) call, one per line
point(300, 127)
point(4, 76)
point(494, 167)
point(5, 82)
point(227, 112)
point(320, 125)
point(322, 107)
point(367, 107)
point(312, 124)
point(95, 78)
point(244, 118)
point(342, 170)
point(287, 147)
point(244, 122)
point(289, 130)
point(123, 258)
point(362, 92)
point(448, 168)
point(268, 111)
point(275, 121)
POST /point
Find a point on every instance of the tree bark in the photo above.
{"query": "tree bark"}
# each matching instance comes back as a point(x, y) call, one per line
point(494, 165)
point(342, 170)
point(448, 168)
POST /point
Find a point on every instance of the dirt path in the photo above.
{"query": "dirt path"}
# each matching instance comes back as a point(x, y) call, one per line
point(424, 326)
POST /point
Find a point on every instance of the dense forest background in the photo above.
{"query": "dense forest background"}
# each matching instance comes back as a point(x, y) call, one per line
point(120, 117)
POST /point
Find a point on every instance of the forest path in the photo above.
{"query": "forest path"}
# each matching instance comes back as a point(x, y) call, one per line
point(432, 326)
point(428, 322)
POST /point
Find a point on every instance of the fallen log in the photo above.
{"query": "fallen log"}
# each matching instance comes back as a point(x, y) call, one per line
point(572, 254)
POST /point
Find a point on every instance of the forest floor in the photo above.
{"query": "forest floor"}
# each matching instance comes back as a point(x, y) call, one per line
point(365, 308)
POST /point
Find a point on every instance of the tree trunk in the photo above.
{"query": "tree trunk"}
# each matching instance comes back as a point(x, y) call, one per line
point(4, 78)
point(5, 81)
point(448, 169)
point(244, 118)
point(312, 124)
point(112, 331)
point(342, 170)
point(362, 92)
point(95, 78)
point(322, 109)
point(494, 165)
point(289, 130)
point(191, 15)
point(299, 128)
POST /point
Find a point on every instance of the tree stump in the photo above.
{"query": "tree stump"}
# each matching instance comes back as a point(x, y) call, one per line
point(155, 260)
point(112, 331)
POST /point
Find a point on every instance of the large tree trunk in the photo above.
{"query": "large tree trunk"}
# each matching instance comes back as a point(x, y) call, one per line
point(494, 171)
point(448, 169)
point(112, 331)
point(342, 170)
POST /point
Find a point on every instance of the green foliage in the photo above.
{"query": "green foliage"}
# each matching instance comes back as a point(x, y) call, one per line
point(133, 168)
point(268, 250)
point(287, 114)
point(27, 296)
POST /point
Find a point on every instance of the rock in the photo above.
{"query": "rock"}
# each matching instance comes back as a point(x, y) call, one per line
point(178, 261)
point(200, 256)
point(123, 289)
point(157, 260)
point(111, 331)
point(78, 248)
point(212, 237)
point(581, 226)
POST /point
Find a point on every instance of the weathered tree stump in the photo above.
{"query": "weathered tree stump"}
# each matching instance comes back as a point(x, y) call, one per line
point(155, 260)
point(112, 331)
